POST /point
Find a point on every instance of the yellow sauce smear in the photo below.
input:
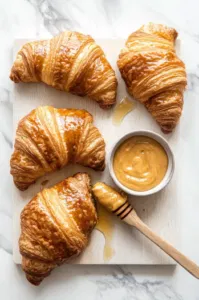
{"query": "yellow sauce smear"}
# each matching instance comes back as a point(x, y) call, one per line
point(105, 226)
point(121, 110)
point(140, 163)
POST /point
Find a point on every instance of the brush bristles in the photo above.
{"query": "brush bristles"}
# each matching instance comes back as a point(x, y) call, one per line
point(123, 211)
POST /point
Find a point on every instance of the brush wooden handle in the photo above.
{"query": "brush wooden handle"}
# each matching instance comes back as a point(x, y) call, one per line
point(133, 219)
point(119, 205)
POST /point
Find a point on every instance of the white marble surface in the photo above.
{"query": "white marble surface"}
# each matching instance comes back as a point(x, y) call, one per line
point(100, 18)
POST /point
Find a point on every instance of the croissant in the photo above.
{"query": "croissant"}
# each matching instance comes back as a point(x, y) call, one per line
point(70, 62)
point(55, 226)
point(154, 74)
point(48, 139)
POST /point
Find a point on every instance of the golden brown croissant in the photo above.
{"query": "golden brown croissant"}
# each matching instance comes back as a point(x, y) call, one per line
point(154, 74)
point(48, 139)
point(55, 226)
point(70, 62)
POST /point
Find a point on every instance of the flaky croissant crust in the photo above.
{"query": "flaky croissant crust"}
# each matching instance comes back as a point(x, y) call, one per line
point(55, 226)
point(154, 74)
point(70, 62)
point(48, 139)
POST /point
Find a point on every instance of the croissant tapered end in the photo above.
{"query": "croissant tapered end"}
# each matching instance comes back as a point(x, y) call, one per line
point(70, 62)
point(166, 109)
point(14, 75)
point(48, 139)
point(154, 74)
point(36, 270)
point(18, 69)
point(26, 67)
point(56, 226)
point(160, 30)
point(19, 72)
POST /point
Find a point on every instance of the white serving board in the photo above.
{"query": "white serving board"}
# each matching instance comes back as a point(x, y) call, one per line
point(158, 211)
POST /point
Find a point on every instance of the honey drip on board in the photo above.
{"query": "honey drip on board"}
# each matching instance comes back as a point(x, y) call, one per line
point(43, 184)
point(121, 110)
point(105, 226)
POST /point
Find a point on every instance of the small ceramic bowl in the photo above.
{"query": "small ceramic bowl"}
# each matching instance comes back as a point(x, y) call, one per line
point(171, 163)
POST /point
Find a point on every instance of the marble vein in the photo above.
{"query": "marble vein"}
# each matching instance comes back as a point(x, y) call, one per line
point(193, 82)
point(5, 244)
point(7, 139)
point(134, 289)
point(54, 21)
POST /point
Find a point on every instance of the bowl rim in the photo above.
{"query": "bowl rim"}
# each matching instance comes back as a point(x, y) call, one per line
point(171, 162)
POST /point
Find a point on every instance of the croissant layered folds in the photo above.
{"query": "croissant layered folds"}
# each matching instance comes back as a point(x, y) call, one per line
point(48, 139)
point(55, 226)
point(154, 74)
point(70, 62)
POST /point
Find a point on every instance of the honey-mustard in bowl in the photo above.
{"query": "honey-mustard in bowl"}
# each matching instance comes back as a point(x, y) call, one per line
point(141, 163)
